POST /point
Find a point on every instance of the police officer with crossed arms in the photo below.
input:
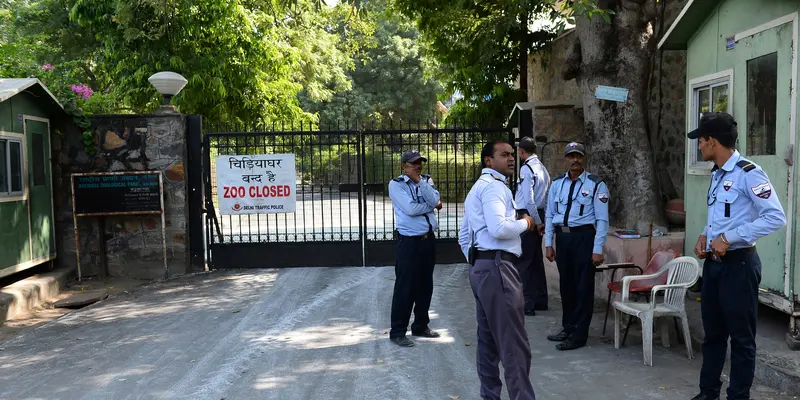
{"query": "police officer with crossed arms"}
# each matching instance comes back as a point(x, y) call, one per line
point(414, 198)
point(742, 208)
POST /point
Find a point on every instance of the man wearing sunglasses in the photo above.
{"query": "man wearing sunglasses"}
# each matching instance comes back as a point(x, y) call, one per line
point(741, 210)
point(414, 199)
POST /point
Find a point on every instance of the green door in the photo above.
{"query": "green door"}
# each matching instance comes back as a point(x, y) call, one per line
point(762, 78)
point(40, 184)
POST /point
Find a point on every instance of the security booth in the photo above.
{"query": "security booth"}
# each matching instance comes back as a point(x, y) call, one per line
point(27, 224)
point(742, 59)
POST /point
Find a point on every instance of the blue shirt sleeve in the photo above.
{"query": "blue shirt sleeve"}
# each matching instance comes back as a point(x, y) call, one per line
point(498, 224)
point(401, 198)
point(540, 185)
point(601, 200)
point(771, 217)
point(464, 237)
point(525, 198)
point(548, 218)
point(428, 192)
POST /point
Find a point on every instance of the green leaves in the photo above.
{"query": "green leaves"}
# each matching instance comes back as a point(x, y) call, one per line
point(481, 47)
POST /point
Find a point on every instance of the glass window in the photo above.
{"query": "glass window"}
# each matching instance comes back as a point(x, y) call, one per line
point(38, 159)
point(3, 167)
point(709, 97)
point(15, 166)
point(762, 103)
point(11, 167)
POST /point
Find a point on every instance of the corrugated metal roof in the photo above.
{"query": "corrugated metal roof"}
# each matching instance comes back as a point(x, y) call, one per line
point(10, 87)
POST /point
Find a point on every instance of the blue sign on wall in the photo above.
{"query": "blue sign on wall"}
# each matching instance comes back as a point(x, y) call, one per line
point(611, 93)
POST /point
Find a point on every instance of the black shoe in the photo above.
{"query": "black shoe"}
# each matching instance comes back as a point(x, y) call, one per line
point(427, 333)
point(558, 337)
point(402, 341)
point(702, 396)
point(530, 312)
point(540, 308)
point(570, 344)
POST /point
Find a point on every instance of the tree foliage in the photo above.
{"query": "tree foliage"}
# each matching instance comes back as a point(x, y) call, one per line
point(391, 77)
point(482, 47)
point(245, 60)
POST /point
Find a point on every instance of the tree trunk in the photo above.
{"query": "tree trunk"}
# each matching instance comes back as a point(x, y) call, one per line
point(618, 140)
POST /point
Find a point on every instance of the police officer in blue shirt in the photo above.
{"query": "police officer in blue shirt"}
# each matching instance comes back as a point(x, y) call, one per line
point(414, 198)
point(531, 199)
point(577, 211)
point(490, 239)
point(742, 208)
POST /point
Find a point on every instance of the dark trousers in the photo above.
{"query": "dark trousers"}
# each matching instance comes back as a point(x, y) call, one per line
point(576, 281)
point(501, 329)
point(729, 304)
point(531, 270)
point(413, 285)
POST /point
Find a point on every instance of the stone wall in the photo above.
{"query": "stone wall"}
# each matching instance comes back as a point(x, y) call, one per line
point(133, 243)
point(561, 125)
point(544, 73)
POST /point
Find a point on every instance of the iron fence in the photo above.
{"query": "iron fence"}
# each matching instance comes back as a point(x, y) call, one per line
point(342, 174)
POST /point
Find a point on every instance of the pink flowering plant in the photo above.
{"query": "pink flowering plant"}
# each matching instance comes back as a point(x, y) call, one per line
point(73, 96)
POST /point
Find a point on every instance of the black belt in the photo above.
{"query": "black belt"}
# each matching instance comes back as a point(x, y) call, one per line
point(428, 235)
point(571, 229)
point(491, 254)
point(733, 255)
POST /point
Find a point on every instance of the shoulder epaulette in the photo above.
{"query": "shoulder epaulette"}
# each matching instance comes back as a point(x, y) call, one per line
point(596, 178)
point(495, 177)
point(558, 179)
point(746, 165)
point(398, 179)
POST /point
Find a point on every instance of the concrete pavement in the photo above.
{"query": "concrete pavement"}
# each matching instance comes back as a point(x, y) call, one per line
point(306, 333)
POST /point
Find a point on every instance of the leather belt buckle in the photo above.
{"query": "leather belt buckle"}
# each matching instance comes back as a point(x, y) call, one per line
point(565, 229)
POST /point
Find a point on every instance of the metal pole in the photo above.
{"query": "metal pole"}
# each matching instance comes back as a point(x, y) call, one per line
point(75, 227)
point(163, 225)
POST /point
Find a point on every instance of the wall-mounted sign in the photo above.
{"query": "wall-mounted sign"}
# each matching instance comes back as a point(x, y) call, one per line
point(97, 194)
point(611, 93)
point(256, 184)
point(101, 194)
point(730, 43)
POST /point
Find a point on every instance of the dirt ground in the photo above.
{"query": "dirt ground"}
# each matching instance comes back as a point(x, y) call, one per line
point(307, 333)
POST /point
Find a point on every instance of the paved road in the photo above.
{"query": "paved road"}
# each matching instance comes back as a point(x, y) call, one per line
point(304, 334)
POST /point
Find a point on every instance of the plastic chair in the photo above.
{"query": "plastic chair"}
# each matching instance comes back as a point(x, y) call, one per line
point(681, 273)
point(640, 288)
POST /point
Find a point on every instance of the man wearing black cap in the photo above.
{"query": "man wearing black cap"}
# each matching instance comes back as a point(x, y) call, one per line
point(414, 199)
point(741, 209)
point(577, 211)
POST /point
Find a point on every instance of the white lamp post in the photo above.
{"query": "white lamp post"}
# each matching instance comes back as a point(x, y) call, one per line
point(167, 84)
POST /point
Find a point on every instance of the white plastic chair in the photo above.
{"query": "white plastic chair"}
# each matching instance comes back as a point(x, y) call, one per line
point(682, 272)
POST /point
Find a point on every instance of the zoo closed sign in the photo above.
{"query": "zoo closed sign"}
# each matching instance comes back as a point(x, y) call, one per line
point(256, 184)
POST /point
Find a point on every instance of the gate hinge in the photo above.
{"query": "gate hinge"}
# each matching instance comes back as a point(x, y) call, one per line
point(789, 155)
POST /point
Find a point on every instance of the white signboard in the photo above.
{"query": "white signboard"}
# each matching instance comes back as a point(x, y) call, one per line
point(256, 184)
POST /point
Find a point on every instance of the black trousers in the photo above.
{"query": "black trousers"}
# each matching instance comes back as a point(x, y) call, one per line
point(576, 278)
point(531, 270)
point(413, 285)
point(729, 305)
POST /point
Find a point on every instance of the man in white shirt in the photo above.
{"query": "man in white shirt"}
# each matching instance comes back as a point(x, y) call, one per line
point(490, 239)
point(531, 199)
